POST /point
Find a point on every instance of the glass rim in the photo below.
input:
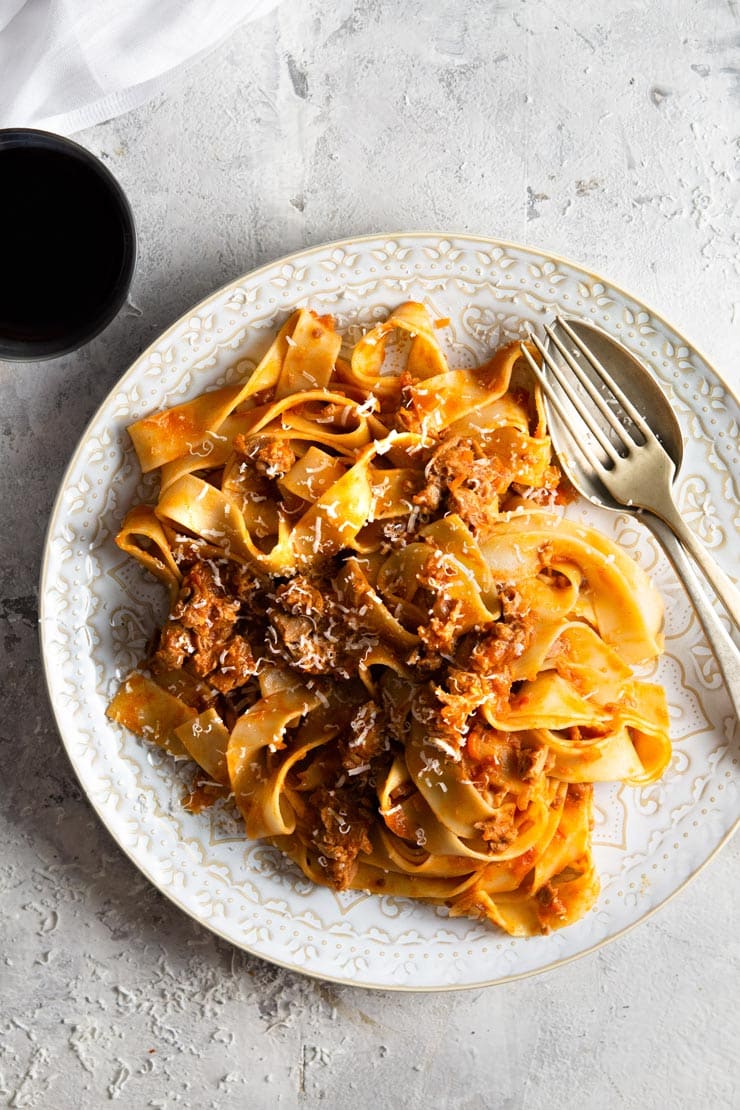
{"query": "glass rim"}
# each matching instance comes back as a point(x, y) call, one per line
point(36, 350)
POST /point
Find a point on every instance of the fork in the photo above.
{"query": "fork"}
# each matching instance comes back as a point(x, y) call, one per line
point(637, 475)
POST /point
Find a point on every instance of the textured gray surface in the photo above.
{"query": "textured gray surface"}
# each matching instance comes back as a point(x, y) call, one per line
point(607, 134)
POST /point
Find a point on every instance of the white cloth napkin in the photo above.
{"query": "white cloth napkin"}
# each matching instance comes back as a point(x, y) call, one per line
point(68, 64)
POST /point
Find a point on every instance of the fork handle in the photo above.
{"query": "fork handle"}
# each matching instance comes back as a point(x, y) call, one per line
point(725, 651)
point(723, 586)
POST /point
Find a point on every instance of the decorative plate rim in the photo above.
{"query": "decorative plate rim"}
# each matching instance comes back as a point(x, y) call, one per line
point(44, 619)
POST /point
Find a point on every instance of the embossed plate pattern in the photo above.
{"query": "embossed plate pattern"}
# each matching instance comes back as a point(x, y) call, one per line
point(98, 609)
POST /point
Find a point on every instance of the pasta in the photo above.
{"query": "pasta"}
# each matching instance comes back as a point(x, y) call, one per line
point(385, 640)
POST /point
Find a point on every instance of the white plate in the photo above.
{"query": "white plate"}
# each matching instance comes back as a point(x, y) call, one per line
point(98, 609)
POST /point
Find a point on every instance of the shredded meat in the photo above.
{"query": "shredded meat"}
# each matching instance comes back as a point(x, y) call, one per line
point(296, 632)
point(441, 631)
point(494, 650)
point(445, 711)
point(337, 414)
point(368, 737)
point(531, 763)
point(274, 458)
point(514, 606)
point(465, 693)
point(396, 534)
point(471, 482)
point(249, 589)
point(475, 498)
point(299, 596)
point(200, 623)
point(405, 418)
point(175, 644)
point(242, 446)
point(298, 639)
point(340, 833)
point(549, 905)
point(499, 762)
point(235, 665)
point(314, 631)
point(499, 830)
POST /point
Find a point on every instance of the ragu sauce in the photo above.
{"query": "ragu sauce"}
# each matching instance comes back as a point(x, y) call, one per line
point(67, 246)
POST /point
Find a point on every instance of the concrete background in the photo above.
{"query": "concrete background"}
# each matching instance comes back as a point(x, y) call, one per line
point(607, 133)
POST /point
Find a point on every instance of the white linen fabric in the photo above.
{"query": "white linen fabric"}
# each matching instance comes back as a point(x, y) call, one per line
point(69, 64)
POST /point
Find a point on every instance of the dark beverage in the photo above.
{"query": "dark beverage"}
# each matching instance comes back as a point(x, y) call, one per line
point(67, 245)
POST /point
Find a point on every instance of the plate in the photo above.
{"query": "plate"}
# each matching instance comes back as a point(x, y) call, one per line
point(98, 609)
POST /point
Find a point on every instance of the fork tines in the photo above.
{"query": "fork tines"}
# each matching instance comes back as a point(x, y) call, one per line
point(629, 432)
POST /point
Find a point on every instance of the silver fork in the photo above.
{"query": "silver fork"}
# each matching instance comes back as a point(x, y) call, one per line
point(637, 475)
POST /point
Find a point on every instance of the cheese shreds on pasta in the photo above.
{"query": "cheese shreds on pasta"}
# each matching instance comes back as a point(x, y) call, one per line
point(385, 640)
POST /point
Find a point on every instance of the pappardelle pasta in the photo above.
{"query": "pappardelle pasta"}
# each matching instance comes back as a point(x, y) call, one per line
point(385, 640)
